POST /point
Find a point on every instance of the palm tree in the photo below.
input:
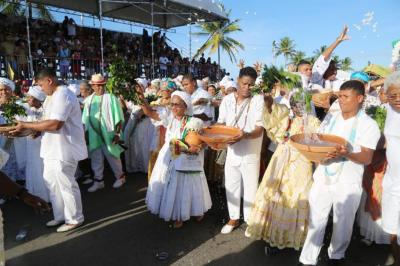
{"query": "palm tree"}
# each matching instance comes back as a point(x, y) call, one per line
point(16, 8)
point(218, 37)
point(346, 64)
point(298, 57)
point(285, 47)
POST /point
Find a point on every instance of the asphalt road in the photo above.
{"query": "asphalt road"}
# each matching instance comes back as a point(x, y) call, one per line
point(118, 230)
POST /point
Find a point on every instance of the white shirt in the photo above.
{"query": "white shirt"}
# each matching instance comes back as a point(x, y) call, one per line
point(204, 108)
point(367, 135)
point(68, 143)
point(246, 150)
point(319, 83)
point(392, 133)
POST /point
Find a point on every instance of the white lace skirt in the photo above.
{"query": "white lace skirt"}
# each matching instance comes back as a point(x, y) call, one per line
point(176, 195)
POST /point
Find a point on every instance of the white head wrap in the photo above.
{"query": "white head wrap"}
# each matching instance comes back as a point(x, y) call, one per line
point(230, 84)
point(142, 82)
point(37, 93)
point(9, 83)
point(74, 88)
point(187, 99)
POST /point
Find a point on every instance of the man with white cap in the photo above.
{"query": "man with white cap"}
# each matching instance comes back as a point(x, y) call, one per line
point(62, 146)
point(35, 183)
point(103, 119)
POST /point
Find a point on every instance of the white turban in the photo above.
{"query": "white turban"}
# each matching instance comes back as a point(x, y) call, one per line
point(142, 82)
point(187, 99)
point(9, 83)
point(37, 93)
point(230, 84)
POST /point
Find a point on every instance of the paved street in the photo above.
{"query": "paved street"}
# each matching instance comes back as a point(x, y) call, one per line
point(119, 231)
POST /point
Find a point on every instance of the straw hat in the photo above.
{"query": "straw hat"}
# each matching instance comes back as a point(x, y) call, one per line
point(97, 79)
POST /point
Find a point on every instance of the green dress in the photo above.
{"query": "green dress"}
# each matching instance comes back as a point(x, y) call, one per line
point(91, 118)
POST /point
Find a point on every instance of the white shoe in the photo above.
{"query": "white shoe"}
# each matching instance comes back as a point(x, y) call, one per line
point(96, 186)
point(227, 229)
point(247, 234)
point(87, 181)
point(68, 227)
point(119, 182)
point(53, 223)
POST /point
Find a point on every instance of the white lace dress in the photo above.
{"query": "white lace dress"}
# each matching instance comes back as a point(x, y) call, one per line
point(172, 194)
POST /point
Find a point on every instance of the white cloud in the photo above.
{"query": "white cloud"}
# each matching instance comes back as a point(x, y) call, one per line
point(368, 18)
point(358, 27)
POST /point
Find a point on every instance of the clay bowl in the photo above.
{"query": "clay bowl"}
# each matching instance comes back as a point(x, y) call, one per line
point(192, 138)
point(318, 152)
point(217, 136)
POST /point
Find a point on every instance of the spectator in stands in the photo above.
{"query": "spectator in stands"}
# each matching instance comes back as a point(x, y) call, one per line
point(64, 54)
point(71, 27)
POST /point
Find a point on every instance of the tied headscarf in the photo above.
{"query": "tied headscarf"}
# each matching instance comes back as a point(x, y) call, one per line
point(360, 75)
point(8, 83)
point(187, 99)
point(37, 93)
point(168, 85)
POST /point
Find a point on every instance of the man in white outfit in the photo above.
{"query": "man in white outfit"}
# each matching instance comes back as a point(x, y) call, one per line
point(242, 166)
point(338, 181)
point(63, 145)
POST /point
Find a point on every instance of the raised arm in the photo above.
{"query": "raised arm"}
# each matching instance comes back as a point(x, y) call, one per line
point(342, 37)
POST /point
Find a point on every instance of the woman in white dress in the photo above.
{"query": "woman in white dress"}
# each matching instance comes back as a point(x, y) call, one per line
point(178, 188)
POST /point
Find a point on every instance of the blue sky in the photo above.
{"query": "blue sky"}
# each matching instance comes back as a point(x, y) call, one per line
point(373, 24)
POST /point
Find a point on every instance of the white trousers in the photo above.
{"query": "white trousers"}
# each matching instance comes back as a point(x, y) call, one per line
point(65, 195)
point(97, 161)
point(344, 198)
point(238, 179)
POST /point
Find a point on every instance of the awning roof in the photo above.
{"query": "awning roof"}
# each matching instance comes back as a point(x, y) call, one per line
point(167, 13)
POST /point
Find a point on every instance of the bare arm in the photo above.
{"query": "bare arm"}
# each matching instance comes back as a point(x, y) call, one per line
point(41, 126)
point(342, 37)
point(148, 111)
point(363, 157)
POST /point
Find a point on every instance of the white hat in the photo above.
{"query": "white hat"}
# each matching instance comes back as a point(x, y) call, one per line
point(142, 82)
point(37, 93)
point(97, 79)
point(74, 88)
point(9, 83)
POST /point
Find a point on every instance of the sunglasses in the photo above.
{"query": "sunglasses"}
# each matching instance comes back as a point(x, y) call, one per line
point(177, 105)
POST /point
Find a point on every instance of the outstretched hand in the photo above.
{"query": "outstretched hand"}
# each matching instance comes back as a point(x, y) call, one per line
point(37, 203)
point(343, 35)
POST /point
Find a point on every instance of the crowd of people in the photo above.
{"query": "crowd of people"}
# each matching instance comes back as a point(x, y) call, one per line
point(287, 200)
point(74, 51)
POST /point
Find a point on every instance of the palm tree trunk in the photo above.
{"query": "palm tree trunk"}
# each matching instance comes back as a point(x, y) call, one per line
point(219, 63)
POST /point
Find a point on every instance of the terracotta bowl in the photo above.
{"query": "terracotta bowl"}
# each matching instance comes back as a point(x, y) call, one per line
point(316, 153)
point(217, 136)
point(192, 138)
